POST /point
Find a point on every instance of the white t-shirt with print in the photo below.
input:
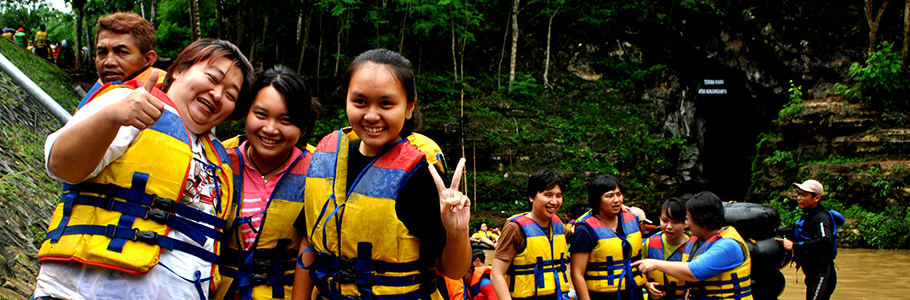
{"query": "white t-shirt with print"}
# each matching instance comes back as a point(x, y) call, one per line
point(74, 280)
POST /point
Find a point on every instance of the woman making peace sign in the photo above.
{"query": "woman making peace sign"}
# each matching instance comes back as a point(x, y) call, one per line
point(376, 226)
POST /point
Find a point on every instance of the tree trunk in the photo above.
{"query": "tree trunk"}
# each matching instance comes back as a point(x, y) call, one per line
point(502, 54)
point(546, 68)
point(454, 60)
point(905, 54)
point(142, 9)
point(219, 21)
point(194, 19)
point(404, 21)
point(341, 23)
point(873, 25)
point(78, 6)
point(319, 52)
point(513, 60)
point(306, 38)
point(153, 12)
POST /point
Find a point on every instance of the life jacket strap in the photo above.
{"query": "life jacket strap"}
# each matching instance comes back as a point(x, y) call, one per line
point(256, 267)
point(165, 204)
point(134, 234)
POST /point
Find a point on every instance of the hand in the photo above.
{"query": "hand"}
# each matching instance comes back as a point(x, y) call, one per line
point(454, 207)
point(653, 291)
point(140, 109)
point(788, 244)
point(646, 265)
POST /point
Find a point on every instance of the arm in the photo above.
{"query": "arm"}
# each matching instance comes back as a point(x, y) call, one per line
point(579, 261)
point(497, 276)
point(79, 149)
point(676, 269)
point(303, 284)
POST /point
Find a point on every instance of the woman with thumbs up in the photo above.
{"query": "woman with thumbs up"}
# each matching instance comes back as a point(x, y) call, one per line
point(143, 173)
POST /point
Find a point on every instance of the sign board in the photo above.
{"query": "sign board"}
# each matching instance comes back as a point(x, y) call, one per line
point(714, 91)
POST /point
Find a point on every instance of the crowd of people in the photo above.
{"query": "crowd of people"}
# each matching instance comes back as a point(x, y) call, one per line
point(58, 52)
point(156, 207)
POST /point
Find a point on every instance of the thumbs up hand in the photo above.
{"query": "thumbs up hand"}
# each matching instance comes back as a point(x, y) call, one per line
point(140, 109)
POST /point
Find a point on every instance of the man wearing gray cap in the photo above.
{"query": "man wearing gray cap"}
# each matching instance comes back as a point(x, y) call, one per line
point(813, 241)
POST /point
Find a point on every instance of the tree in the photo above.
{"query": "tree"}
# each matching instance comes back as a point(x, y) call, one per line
point(906, 53)
point(78, 6)
point(546, 70)
point(513, 59)
point(873, 24)
point(194, 19)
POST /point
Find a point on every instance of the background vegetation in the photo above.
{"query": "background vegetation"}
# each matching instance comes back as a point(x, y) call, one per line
point(576, 97)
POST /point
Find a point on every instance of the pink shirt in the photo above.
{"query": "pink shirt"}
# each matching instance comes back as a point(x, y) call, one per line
point(256, 193)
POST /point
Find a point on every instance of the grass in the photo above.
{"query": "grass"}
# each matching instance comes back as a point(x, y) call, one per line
point(54, 81)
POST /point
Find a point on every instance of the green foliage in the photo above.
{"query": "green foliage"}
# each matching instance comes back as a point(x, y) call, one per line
point(885, 229)
point(880, 82)
point(51, 79)
point(783, 158)
point(794, 107)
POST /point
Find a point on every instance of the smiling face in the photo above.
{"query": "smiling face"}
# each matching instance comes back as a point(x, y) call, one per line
point(546, 203)
point(118, 57)
point(205, 94)
point(269, 130)
point(611, 203)
point(377, 107)
point(672, 228)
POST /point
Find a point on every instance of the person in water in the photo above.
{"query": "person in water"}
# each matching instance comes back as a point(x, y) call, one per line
point(814, 241)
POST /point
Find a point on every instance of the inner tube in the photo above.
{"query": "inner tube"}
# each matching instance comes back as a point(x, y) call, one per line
point(767, 285)
point(768, 254)
point(752, 220)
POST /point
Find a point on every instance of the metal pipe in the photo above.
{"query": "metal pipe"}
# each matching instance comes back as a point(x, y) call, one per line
point(33, 90)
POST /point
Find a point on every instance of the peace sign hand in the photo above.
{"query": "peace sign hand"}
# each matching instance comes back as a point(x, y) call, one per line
point(454, 206)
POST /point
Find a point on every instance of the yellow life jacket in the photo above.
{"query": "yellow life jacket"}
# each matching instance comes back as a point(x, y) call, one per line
point(8, 35)
point(362, 248)
point(120, 218)
point(673, 288)
point(41, 39)
point(540, 268)
point(609, 267)
point(266, 270)
point(732, 284)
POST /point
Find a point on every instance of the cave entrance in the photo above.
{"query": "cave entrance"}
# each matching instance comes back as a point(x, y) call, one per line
point(732, 119)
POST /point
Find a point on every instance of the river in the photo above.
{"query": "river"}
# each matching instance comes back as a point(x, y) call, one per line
point(861, 274)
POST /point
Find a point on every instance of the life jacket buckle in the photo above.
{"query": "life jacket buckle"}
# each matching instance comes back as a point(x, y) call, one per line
point(345, 277)
point(262, 267)
point(349, 297)
point(164, 204)
point(159, 216)
point(110, 231)
point(259, 279)
point(148, 237)
point(345, 263)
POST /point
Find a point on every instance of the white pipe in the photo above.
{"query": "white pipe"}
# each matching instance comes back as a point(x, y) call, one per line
point(33, 90)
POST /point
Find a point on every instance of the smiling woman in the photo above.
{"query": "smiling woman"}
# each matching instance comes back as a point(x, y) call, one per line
point(115, 146)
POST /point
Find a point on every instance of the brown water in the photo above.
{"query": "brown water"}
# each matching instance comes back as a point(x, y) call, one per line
point(861, 274)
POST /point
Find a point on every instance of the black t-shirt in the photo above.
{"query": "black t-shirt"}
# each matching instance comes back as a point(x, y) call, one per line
point(417, 205)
